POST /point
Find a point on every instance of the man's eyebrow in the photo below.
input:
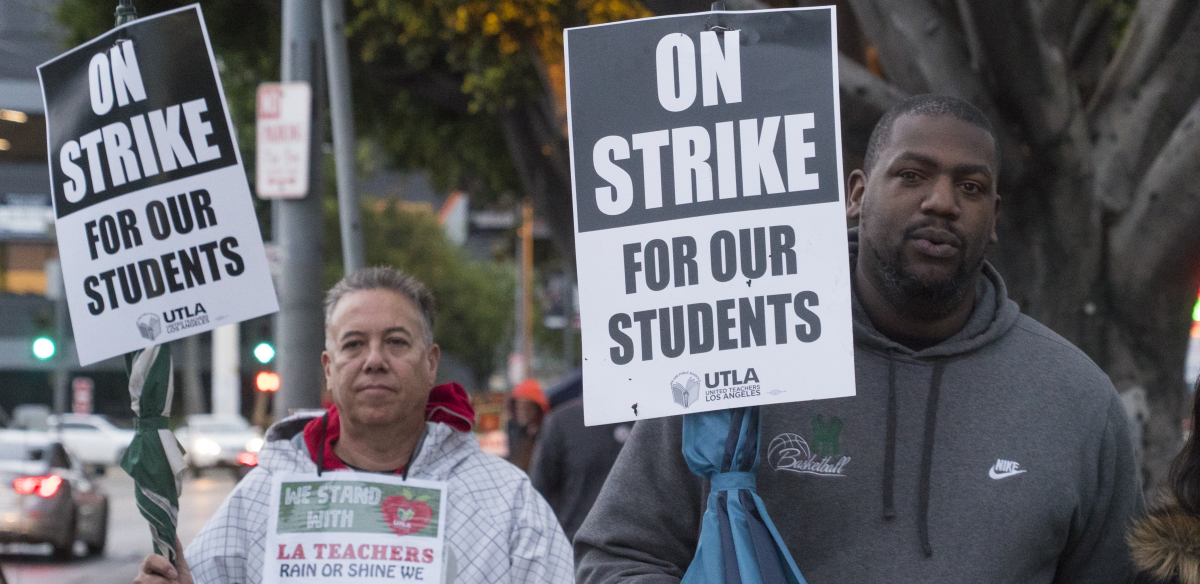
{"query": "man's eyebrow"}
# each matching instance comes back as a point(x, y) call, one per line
point(963, 169)
point(395, 329)
point(960, 169)
point(915, 157)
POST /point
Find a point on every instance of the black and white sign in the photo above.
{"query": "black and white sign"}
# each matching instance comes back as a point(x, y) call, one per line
point(156, 227)
point(709, 212)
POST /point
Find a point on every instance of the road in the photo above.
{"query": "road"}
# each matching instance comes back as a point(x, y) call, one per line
point(128, 535)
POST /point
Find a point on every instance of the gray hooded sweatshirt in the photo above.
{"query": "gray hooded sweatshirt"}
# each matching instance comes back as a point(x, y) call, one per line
point(998, 455)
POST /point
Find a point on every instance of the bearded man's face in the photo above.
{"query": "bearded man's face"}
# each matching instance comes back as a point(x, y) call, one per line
point(929, 212)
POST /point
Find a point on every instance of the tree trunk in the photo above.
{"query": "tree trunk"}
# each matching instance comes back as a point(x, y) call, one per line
point(1100, 215)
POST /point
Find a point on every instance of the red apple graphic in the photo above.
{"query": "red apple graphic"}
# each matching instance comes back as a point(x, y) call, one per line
point(405, 516)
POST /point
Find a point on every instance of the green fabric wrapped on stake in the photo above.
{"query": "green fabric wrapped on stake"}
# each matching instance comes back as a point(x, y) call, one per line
point(154, 459)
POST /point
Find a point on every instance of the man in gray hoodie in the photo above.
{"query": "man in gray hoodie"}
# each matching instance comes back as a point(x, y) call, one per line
point(980, 447)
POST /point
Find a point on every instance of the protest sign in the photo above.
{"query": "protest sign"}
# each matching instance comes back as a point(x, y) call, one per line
point(283, 123)
point(156, 227)
point(709, 212)
point(360, 526)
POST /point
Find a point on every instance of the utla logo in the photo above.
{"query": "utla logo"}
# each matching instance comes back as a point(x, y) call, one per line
point(685, 389)
point(405, 516)
point(184, 312)
point(149, 326)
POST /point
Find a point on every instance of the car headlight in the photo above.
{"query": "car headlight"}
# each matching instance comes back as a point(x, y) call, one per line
point(206, 446)
point(254, 445)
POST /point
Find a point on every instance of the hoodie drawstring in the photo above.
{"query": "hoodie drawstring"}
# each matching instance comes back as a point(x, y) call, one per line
point(889, 453)
point(931, 408)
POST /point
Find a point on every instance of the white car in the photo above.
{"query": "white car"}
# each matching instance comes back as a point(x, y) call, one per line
point(213, 440)
point(91, 438)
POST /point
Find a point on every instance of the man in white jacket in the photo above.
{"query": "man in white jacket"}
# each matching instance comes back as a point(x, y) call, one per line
point(380, 362)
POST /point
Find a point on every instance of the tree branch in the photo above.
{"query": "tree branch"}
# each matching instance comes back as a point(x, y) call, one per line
point(1136, 120)
point(864, 89)
point(1157, 241)
point(1082, 38)
point(540, 156)
point(864, 98)
point(1151, 32)
point(922, 51)
point(919, 48)
point(1030, 75)
point(1058, 19)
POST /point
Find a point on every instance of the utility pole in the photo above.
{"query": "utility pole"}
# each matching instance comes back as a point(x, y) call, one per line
point(341, 110)
point(527, 285)
point(193, 392)
point(299, 331)
point(56, 291)
point(226, 370)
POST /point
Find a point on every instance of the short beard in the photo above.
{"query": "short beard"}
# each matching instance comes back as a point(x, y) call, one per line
point(926, 300)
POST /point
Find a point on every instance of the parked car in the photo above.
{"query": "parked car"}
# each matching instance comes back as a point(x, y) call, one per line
point(29, 417)
point(213, 440)
point(47, 497)
point(91, 437)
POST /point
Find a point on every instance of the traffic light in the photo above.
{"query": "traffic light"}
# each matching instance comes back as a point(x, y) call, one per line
point(264, 352)
point(267, 381)
point(43, 348)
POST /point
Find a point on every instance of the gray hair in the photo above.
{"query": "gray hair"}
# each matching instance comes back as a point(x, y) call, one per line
point(384, 278)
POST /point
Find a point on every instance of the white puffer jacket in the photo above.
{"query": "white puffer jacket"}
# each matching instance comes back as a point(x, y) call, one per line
point(499, 529)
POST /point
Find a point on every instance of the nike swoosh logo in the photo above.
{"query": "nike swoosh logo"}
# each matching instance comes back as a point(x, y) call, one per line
point(1003, 475)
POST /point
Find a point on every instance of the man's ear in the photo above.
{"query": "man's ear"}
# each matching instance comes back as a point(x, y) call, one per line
point(432, 358)
point(325, 360)
point(856, 185)
point(995, 217)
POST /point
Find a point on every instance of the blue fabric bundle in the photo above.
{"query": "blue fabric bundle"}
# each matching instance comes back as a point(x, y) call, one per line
point(738, 542)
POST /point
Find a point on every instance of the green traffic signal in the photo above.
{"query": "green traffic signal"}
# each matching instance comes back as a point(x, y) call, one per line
point(43, 348)
point(264, 352)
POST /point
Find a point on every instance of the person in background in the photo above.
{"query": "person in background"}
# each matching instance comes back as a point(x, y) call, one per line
point(1165, 544)
point(526, 409)
point(571, 462)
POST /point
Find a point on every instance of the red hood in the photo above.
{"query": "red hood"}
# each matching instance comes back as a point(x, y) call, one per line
point(448, 404)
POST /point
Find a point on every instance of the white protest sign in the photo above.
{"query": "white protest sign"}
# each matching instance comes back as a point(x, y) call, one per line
point(155, 222)
point(344, 526)
point(284, 121)
point(710, 222)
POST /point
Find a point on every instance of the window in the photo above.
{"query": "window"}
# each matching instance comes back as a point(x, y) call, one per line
point(80, 427)
point(10, 451)
point(58, 457)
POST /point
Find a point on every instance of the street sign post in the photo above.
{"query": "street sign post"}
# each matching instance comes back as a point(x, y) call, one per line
point(709, 212)
point(156, 227)
point(81, 391)
point(283, 124)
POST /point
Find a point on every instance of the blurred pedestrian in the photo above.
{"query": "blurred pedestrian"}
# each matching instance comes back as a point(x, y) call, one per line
point(388, 418)
point(526, 409)
point(979, 446)
point(571, 462)
point(1166, 542)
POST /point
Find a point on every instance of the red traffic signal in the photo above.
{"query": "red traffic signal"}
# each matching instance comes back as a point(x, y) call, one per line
point(267, 381)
